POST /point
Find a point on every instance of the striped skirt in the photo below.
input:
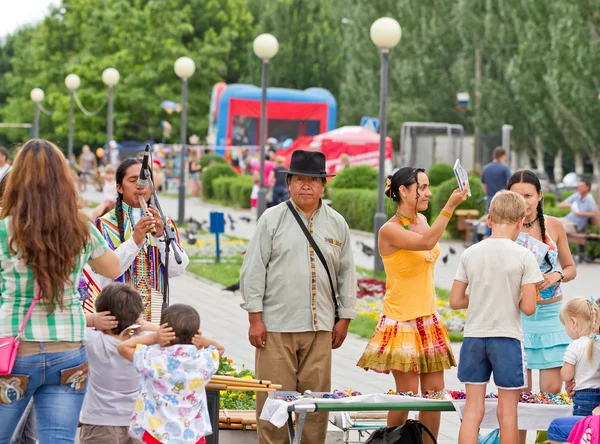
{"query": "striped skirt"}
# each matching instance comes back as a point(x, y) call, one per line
point(420, 345)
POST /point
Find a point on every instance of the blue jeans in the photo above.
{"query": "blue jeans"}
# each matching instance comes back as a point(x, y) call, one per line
point(57, 382)
point(560, 428)
point(585, 401)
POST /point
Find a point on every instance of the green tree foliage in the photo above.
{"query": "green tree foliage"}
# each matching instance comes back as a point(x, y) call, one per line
point(309, 35)
point(142, 39)
point(362, 176)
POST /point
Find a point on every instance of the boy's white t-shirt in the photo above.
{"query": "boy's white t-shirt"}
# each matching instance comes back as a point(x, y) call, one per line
point(113, 383)
point(587, 374)
point(496, 269)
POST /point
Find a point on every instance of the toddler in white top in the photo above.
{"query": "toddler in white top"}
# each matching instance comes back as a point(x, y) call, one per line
point(581, 318)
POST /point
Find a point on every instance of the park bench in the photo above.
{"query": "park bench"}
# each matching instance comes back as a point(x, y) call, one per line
point(467, 220)
point(582, 239)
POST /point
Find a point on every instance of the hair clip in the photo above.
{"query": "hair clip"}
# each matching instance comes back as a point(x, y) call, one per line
point(131, 330)
point(594, 337)
point(591, 299)
point(388, 184)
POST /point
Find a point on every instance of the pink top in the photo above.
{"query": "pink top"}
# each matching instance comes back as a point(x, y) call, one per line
point(586, 431)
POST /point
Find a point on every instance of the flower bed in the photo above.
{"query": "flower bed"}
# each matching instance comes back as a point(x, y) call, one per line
point(233, 399)
point(370, 300)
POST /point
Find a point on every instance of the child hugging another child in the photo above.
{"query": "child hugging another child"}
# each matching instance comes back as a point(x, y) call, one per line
point(113, 383)
point(175, 365)
point(581, 317)
point(502, 277)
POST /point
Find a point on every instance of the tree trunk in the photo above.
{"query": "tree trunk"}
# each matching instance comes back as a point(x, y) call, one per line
point(514, 160)
point(525, 159)
point(579, 163)
point(558, 168)
point(539, 154)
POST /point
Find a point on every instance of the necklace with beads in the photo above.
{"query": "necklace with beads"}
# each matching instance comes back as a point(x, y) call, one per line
point(406, 221)
point(530, 224)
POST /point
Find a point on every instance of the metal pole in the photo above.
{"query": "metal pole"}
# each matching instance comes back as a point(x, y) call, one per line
point(478, 153)
point(181, 217)
point(262, 192)
point(109, 123)
point(380, 216)
point(36, 121)
point(71, 125)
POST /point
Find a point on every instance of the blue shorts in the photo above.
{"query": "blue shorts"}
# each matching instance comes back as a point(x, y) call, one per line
point(560, 428)
point(505, 357)
point(585, 401)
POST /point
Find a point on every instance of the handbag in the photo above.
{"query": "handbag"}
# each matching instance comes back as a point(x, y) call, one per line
point(317, 250)
point(9, 347)
point(410, 432)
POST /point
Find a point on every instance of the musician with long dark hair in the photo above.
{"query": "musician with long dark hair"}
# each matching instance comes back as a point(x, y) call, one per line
point(128, 232)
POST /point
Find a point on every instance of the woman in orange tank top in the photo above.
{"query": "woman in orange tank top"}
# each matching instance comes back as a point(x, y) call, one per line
point(410, 340)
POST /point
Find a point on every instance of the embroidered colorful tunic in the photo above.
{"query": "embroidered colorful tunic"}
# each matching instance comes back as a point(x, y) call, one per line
point(142, 266)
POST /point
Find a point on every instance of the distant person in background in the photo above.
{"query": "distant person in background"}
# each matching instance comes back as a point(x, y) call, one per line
point(109, 190)
point(4, 165)
point(277, 181)
point(494, 177)
point(583, 207)
point(113, 154)
point(87, 165)
point(194, 172)
point(344, 162)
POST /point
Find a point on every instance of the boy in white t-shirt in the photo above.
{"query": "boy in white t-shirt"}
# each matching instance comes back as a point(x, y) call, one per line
point(113, 381)
point(502, 277)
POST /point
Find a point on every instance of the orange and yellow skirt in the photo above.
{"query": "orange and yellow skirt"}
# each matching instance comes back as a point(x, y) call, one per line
point(420, 345)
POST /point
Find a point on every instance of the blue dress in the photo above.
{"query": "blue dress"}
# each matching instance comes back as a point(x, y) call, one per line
point(545, 338)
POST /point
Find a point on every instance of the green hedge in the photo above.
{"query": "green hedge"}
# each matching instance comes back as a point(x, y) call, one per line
point(240, 191)
point(475, 202)
point(555, 211)
point(358, 177)
point(206, 159)
point(439, 173)
point(550, 199)
point(222, 188)
point(358, 207)
point(213, 172)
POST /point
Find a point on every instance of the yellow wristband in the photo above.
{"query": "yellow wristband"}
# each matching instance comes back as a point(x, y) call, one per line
point(448, 214)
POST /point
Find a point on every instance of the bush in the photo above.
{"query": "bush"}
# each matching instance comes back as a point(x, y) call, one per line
point(222, 188)
point(213, 172)
point(475, 202)
point(358, 207)
point(206, 159)
point(439, 173)
point(240, 191)
point(555, 211)
point(566, 194)
point(550, 199)
point(358, 177)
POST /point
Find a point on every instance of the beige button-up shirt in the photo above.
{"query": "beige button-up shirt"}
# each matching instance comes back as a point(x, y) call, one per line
point(283, 277)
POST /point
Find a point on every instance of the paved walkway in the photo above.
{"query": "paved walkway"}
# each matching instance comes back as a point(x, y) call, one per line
point(224, 320)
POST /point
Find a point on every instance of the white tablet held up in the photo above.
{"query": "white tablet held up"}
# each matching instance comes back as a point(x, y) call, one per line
point(461, 176)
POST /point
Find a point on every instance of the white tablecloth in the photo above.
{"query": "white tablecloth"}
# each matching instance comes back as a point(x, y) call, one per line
point(531, 416)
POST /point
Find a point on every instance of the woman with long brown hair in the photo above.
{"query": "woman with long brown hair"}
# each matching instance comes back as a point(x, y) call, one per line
point(45, 241)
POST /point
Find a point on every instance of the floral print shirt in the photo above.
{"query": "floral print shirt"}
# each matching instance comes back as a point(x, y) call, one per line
point(171, 404)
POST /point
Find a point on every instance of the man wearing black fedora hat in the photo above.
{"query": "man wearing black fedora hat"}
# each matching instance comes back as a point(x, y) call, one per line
point(298, 282)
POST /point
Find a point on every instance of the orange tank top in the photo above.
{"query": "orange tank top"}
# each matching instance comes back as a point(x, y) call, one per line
point(410, 290)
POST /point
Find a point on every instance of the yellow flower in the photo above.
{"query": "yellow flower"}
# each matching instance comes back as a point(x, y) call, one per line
point(253, 396)
point(230, 360)
point(242, 396)
point(223, 392)
point(247, 377)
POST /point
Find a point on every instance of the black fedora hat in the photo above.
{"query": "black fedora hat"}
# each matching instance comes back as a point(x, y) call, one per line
point(308, 163)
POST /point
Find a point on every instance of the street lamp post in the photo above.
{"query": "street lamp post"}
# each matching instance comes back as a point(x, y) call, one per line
point(265, 47)
point(37, 95)
point(72, 82)
point(385, 34)
point(110, 77)
point(184, 68)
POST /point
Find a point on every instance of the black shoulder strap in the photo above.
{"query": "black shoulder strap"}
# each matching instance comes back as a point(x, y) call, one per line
point(316, 248)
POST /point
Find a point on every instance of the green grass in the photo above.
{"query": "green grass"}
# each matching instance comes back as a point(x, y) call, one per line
point(363, 326)
point(224, 273)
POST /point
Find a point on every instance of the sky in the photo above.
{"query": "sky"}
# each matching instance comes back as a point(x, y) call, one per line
point(16, 13)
